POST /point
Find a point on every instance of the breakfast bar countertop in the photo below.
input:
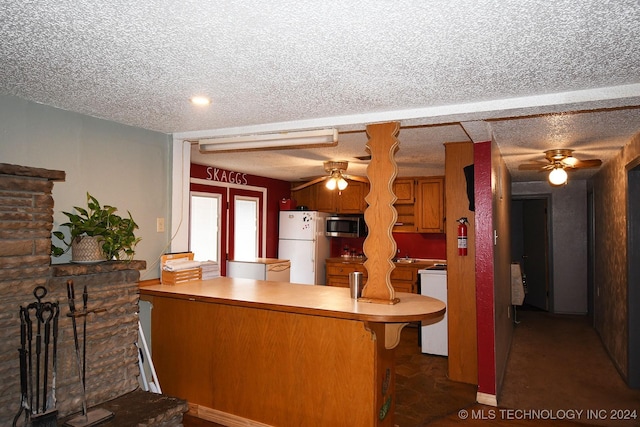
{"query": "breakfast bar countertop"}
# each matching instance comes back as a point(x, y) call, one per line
point(326, 301)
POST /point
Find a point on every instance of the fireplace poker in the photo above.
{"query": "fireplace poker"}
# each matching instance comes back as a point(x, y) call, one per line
point(98, 415)
point(85, 298)
point(47, 315)
point(24, 400)
point(72, 309)
point(30, 341)
point(39, 292)
point(56, 315)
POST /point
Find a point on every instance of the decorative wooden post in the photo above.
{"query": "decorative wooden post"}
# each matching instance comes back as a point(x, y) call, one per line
point(381, 215)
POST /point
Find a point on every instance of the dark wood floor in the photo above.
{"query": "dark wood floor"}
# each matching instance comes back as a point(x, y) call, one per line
point(557, 367)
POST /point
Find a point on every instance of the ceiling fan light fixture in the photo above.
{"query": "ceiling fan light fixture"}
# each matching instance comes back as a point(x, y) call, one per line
point(558, 176)
point(336, 181)
point(570, 161)
point(342, 183)
point(331, 184)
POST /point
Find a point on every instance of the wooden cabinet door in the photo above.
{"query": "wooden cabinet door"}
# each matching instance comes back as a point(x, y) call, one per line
point(430, 202)
point(305, 197)
point(403, 188)
point(405, 278)
point(351, 199)
point(325, 199)
point(403, 287)
point(338, 273)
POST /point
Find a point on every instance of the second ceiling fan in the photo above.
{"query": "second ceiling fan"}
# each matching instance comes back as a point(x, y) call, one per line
point(558, 161)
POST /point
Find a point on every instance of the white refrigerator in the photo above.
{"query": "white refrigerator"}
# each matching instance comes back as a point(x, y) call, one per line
point(302, 241)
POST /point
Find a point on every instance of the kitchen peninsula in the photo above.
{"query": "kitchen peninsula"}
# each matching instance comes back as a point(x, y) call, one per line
point(257, 353)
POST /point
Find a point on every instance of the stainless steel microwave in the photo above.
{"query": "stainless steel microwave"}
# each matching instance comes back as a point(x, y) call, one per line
point(346, 226)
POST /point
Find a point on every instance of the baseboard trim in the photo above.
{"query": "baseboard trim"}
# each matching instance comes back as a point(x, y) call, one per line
point(223, 418)
point(486, 399)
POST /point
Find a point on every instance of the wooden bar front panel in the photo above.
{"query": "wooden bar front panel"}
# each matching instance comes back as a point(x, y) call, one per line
point(276, 368)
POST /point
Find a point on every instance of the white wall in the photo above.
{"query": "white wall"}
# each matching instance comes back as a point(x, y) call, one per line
point(120, 165)
point(569, 244)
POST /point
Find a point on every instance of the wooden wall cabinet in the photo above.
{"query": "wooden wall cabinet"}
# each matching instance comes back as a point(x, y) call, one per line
point(305, 197)
point(351, 199)
point(325, 199)
point(420, 205)
point(430, 201)
point(318, 198)
point(404, 189)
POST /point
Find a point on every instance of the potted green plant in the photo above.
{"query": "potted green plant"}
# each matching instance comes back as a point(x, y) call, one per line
point(97, 234)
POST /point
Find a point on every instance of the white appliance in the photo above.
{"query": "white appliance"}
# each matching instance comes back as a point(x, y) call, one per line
point(434, 337)
point(303, 242)
point(270, 269)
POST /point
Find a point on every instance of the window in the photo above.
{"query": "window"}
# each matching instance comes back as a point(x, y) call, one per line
point(245, 238)
point(204, 234)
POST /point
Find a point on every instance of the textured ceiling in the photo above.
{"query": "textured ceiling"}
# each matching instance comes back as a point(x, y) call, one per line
point(531, 74)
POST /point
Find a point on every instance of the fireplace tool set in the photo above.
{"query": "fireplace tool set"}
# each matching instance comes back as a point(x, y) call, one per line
point(45, 315)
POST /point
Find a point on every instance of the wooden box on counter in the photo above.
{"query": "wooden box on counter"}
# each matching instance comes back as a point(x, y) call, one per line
point(180, 276)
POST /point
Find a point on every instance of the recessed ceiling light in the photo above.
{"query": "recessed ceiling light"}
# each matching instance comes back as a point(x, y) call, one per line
point(200, 100)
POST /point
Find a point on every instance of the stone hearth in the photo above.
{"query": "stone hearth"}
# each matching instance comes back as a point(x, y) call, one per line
point(26, 222)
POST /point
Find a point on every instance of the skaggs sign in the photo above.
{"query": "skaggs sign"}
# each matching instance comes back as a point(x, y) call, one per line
point(212, 173)
point(221, 175)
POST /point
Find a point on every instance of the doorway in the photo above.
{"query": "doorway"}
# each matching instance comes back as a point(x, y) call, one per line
point(247, 237)
point(633, 279)
point(530, 248)
point(226, 222)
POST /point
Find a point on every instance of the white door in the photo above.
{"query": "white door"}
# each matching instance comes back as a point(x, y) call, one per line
point(302, 257)
point(246, 220)
point(205, 225)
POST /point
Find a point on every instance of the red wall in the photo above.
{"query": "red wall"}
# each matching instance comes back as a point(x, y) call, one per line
point(484, 269)
point(413, 245)
point(276, 191)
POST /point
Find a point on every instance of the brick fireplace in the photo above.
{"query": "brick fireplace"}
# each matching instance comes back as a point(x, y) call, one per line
point(26, 222)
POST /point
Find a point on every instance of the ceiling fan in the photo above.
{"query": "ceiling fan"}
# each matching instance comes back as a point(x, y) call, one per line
point(558, 161)
point(336, 177)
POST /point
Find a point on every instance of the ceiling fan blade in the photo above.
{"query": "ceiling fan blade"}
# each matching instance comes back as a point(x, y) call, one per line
point(585, 164)
point(307, 184)
point(533, 166)
point(356, 178)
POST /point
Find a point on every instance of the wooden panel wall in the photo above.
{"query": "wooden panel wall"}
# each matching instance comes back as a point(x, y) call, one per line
point(461, 296)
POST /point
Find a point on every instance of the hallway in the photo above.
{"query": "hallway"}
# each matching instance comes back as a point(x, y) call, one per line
point(557, 368)
point(558, 374)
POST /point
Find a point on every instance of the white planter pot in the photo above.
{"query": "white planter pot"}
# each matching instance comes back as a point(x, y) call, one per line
point(87, 249)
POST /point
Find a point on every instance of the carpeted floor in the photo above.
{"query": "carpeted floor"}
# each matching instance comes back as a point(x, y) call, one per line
point(557, 367)
point(558, 362)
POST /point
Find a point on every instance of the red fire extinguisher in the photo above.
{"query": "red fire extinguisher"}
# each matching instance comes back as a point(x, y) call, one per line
point(462, 236)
